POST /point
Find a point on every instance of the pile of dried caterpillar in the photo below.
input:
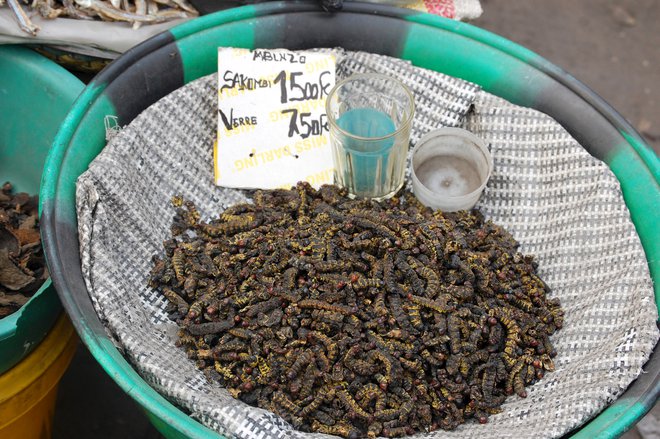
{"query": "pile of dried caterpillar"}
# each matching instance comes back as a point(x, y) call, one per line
point(357, 318)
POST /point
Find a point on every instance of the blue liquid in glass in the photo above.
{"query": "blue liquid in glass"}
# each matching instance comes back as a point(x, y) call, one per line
point(366, 168)
point(367, 122)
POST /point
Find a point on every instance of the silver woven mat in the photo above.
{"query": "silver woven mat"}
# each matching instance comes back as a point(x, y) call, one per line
point(558, 201)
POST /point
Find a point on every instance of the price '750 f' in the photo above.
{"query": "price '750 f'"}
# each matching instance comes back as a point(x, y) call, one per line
point(310, 126)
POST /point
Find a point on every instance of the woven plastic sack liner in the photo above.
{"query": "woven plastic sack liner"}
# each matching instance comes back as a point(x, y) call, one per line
point(563, 205)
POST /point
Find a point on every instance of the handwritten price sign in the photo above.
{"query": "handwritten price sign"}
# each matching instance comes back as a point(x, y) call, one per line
point(272, 126)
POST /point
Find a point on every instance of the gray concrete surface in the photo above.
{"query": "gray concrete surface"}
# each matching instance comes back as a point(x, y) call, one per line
point(611, 45)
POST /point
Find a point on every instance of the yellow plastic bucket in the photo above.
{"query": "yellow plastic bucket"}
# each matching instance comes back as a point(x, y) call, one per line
point(29, 389)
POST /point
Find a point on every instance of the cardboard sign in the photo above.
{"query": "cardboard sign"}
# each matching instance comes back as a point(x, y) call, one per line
point(272, 126)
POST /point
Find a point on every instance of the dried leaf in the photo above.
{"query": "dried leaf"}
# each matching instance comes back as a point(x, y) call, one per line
point(6, 310)
point(34, 247)
point(22, 265)
point(8, 241)
point(20, 199)
point(11, 276)
point(30, 222)
point(31, 207)
point(26, 236)
point(16, 300)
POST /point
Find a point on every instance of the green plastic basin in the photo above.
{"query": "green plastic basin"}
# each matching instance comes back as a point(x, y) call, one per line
point(166, 62)
point(35, 95)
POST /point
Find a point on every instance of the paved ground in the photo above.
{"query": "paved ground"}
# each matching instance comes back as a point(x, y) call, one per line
point(613, 46)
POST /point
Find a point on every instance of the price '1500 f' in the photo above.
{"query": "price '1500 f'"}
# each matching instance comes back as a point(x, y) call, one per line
point(293, 90)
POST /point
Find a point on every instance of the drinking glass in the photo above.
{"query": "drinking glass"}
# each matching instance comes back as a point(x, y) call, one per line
point(369, 119)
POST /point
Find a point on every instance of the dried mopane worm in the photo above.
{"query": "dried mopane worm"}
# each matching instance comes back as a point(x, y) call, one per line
point(357, 318)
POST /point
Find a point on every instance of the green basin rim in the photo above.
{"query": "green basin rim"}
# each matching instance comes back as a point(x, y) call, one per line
point(637, 400)
point(556, 73)
point(59, 228)
point(32, 88)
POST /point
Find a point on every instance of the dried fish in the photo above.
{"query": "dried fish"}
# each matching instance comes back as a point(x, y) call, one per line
point(46, 8)
point(184, 5)
point(73, 12)
point(136, 12)
point(23, 20)
point(140, 9)
point(112, 13)
point(152, 7)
